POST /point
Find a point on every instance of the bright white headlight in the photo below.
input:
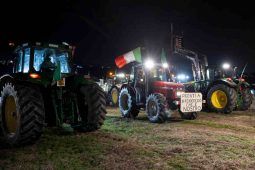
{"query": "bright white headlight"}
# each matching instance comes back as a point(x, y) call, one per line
point(179, 93)
point(149, 64)
point(181, 77)
point(226, 66)
point(121, 75)
point(252, 92)
point(165, 65)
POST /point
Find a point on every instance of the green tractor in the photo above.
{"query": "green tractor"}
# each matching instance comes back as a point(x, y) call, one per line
point(244, 95)
point(43, 91)
point(222, 89)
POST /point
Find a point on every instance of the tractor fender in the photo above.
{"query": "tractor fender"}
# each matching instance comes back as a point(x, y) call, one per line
point(5, 78)
point(113, 87)
point(124, 86)
point(9, 79)
point(225, 82)
point(128, 87)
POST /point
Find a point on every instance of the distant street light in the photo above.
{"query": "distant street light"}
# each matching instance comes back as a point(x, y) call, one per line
point(11, 44)
point(226, 66)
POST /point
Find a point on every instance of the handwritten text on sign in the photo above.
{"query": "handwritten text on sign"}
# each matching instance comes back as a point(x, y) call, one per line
point(191, 102)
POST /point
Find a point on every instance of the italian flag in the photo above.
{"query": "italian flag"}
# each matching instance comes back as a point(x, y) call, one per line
point(134, 55)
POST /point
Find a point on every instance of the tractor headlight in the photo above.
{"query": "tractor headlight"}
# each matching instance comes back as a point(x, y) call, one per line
point(252, 92)
point(121, 75)
point(165, 65)
point(149, 64)
point(225, 66)
point(179, 93)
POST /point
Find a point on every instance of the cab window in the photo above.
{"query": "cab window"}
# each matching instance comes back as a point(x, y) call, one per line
point(26, 60)
point(56, 57)
point(19, 61)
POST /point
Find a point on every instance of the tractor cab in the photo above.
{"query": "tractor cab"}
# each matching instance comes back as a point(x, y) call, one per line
point(42, 60)
point(216, 73)
point(141, 75)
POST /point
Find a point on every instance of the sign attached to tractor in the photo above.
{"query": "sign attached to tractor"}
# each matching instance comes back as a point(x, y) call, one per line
point(61, 83)
point(191, 102)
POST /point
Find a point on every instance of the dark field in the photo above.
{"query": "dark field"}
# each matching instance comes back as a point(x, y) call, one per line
point(213, 141)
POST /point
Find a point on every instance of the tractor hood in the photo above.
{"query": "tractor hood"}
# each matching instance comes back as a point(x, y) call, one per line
point(168, 89)
point(168, 85)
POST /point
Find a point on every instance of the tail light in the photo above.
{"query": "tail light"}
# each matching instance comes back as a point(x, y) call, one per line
point(229, 79)
point(241, 79)
point(34, 76)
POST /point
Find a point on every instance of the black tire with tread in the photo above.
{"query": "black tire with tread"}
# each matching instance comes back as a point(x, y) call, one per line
point(231, 98)
point(247, 99)
point(31, 111)
point(132, 111)
point(92, 106)
point(161, 104)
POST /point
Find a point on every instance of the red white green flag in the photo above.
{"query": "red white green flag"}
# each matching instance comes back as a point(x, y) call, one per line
point(134, 55)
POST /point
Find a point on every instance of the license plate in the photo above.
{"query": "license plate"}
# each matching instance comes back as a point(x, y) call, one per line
point(61, 82)
point(191, 102)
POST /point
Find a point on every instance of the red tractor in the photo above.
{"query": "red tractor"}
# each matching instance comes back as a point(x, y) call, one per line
point(150, 87)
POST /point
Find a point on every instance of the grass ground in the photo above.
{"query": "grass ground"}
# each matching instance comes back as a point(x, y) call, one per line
point(213, 141)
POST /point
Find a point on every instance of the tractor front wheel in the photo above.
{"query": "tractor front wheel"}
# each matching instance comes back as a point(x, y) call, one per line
point(156, 108)
point(92, 107)
point(221, 98)
point(22, 114)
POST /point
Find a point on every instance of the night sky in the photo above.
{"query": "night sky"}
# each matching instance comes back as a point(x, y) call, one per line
point(102, 30)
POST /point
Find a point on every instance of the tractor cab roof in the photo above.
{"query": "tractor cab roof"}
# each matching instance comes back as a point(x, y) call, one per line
point(63, 46)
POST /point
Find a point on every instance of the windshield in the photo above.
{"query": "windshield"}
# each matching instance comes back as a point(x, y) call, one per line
point(158, 74)
point(56, 56)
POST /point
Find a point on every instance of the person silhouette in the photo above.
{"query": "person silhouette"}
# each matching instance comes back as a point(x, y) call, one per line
point(47, 65)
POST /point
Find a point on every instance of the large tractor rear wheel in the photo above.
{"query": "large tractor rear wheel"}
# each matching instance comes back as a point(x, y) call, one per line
point(221, 98)
point(244, 99)
point(156, 108)
point(127, 104)
point(22, 114)
point(92, 107)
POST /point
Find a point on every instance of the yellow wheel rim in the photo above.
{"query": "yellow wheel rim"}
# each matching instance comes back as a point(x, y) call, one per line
point(219, 99)
point(115, 96)
point(10, 114)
